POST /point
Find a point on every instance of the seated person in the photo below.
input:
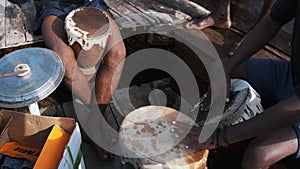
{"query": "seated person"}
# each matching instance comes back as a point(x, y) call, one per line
point(50, 22)
point(220, 18)
point(275, 132)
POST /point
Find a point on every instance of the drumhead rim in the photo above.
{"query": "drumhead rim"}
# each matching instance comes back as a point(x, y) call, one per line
point(81, 36)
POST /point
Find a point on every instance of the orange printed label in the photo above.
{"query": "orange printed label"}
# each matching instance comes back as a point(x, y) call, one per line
point(13, 149)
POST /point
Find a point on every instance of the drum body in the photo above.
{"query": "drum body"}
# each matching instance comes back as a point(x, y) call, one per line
point(146, 132)
point(244, 104)
point(88, 30)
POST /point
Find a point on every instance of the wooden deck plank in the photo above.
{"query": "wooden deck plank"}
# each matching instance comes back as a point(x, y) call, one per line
point(2, 22)
point(245, 13)
point(29, 10)
point(14, 22)
point(186, 6)
point(136, 13)
point(126, 11)
point(158, 13)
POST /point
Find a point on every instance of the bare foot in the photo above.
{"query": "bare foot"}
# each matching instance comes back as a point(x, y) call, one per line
point(201, 23)
point(219, 19)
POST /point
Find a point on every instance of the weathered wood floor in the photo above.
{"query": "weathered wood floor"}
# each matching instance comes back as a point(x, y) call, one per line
point(134, 15)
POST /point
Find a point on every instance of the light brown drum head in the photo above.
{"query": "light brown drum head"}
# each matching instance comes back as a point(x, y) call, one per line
point(87, 26)
point(91, 20)
point(146, 131)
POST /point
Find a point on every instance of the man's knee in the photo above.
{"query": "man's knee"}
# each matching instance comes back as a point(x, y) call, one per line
point(68, 57)
point(115, 55)
point(257, 155)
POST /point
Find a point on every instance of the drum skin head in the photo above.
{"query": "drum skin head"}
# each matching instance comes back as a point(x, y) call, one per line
point(87, 32)
point(146, 131)
point(91, 20)
point(46, 73)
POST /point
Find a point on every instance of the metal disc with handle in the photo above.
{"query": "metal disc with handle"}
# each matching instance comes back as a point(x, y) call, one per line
point(28, 76)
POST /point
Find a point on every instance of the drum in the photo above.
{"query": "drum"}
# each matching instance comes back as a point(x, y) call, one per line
point(244, 104)
point(88, 30)
point(28, 76)
point(146, 132)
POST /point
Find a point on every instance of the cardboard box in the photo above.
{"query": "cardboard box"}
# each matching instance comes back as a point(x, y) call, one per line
point(32, 130)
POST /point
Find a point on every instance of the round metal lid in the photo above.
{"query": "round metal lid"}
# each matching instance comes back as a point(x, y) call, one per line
point(38, 72)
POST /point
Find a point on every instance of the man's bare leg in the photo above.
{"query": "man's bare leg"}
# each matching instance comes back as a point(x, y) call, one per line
point(264, 151)
point(55, 38)
point(105, 84)
point(109, 73)
point(264, 12)
point(220, 18)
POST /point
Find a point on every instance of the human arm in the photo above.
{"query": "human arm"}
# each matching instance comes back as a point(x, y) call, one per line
point(261, 34)
point(278, 116)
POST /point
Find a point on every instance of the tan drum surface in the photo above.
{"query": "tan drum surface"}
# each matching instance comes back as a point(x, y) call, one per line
point(87, 26)
point(88, 30)
point(146, 131)
point(90, 20)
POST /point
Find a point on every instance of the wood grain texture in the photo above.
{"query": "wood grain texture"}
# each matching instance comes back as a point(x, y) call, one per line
point(14, 22)
point(2, 22)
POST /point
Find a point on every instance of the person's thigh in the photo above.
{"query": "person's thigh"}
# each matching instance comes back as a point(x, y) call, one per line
point(271, 148)
point(53, 32)
point(272, 79)
point(55, 38)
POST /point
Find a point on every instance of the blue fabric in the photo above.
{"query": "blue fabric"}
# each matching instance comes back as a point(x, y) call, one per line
point(12, 163)
point(62, 9)
point(28, 164)
point(272, 79)
point(16, 163)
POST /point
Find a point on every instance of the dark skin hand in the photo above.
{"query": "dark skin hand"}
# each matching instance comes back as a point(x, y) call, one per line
point(279, 116)
point(191, 139)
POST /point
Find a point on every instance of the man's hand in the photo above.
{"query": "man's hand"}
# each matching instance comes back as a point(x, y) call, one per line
point(190, 138)
point(205, 105)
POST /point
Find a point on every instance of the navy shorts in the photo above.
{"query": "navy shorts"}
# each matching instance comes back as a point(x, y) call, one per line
point(273, 80)
point(62, 9)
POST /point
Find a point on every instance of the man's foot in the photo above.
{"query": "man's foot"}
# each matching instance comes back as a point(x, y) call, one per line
point(201, 23)
point(220, 18)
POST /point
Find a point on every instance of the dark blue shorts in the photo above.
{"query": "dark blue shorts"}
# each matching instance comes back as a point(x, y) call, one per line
point(62, 9)
point(273, 80)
